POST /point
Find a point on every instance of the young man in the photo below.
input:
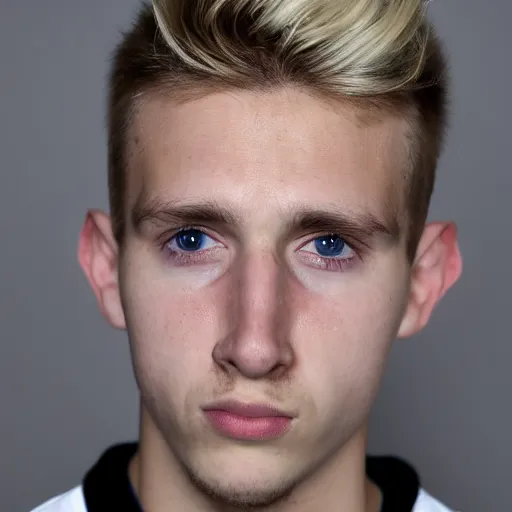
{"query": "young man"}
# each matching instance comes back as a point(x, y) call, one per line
point(271, 164)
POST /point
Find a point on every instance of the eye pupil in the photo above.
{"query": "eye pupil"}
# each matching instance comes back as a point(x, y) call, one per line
point(189, 240)
point(329, 245)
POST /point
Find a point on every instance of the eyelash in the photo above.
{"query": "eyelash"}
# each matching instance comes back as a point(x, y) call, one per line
point(183, 258)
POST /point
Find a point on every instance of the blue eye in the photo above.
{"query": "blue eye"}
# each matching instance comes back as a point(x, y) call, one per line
point(190, 240)
point(329, 246)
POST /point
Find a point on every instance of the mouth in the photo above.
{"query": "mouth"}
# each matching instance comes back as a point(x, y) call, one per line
point(246, 421)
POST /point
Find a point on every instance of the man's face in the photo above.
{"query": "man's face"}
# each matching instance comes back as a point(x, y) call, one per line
point(262, 308)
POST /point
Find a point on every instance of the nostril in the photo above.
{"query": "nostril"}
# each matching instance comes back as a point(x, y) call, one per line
point(279, 371)
point(227, 365)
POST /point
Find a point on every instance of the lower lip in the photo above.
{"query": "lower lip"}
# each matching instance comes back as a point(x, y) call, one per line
point(243, 427)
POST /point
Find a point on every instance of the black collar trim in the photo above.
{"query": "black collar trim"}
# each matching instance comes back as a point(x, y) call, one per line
point(107, 487)
point(397, 480)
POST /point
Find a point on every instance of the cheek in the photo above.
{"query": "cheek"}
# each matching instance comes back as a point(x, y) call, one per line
point(342, 344)
point(170, 335)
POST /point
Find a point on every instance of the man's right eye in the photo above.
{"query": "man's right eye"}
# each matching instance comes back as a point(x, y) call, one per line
point(188, 246)
point(190, 240)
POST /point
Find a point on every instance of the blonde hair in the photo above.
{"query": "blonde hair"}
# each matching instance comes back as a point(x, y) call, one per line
point(361, 47)
point(378, 53)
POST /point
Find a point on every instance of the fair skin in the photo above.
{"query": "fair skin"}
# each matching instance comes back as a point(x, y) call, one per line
point(257, 314)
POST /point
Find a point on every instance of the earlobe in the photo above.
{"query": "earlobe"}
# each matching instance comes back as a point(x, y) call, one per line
point(98, 257)
point(437, 266)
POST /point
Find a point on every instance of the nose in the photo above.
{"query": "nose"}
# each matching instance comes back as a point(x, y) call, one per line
point(258, 344)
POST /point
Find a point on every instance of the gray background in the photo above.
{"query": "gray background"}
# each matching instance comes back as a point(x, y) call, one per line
point(66, 389)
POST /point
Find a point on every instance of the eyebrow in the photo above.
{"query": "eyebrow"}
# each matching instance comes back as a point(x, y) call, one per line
point(361, 226)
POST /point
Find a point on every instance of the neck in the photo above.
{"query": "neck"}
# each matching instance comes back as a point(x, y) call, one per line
point(340, 483)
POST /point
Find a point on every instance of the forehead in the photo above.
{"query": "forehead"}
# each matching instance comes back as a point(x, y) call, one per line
point(279, 148)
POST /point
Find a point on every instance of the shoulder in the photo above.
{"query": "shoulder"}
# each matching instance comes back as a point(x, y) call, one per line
point(426, 503)
point(71, 501)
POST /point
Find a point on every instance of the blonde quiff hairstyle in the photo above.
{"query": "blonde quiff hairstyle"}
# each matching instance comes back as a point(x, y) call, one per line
point(381, 55)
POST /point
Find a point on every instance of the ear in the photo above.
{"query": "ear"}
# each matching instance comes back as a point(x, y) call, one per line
point(437, 266)
point(98, 256)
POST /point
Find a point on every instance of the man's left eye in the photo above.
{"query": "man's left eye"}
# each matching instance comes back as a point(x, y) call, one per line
point(330, 246)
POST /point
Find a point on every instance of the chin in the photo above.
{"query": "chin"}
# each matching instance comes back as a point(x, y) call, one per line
point(244, 479)
point(247, 491)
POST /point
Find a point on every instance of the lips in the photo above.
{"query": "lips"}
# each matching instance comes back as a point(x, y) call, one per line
point(243, 421)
